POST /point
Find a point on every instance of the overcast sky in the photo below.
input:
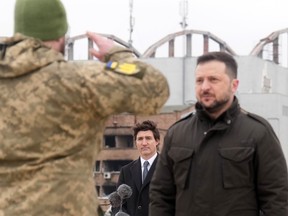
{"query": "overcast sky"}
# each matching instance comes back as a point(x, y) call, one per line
point(240, 23)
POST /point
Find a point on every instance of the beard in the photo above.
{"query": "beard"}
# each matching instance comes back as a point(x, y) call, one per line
point(217, 105)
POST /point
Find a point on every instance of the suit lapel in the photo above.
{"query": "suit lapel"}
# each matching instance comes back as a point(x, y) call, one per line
point(136, 172)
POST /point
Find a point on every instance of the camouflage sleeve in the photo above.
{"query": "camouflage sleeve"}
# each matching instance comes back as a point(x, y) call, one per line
point(123, 84)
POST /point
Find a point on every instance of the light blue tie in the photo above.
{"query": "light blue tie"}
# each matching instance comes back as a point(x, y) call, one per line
point(145, 171)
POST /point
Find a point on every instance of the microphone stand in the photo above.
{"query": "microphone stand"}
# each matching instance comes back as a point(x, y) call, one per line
point(120, 212)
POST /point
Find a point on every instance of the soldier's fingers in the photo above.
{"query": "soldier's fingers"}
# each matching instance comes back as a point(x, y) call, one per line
point(95, 37)
point(95, 53)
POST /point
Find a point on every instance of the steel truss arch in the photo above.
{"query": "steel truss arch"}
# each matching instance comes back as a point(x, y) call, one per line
point(170, 39)
point(272, 39)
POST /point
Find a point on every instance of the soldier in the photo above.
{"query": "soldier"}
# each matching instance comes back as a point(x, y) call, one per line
point(53, 112)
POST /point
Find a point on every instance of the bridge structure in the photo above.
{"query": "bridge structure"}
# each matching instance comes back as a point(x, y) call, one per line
point(187, 35)
point(273, 47)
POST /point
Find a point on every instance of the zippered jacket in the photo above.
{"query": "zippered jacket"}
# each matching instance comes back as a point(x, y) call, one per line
point(233, 166)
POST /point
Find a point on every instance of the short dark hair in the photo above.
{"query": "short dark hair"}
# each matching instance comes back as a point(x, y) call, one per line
point(224, 57)
point(145, 126)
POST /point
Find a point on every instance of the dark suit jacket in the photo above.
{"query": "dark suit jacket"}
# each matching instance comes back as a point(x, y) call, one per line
point(131, 174)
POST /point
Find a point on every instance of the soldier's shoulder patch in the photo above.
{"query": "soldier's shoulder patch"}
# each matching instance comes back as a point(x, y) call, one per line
point(124, 68)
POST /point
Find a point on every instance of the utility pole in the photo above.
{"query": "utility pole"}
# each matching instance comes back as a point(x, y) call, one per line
point(183, 10)
point(131, 23)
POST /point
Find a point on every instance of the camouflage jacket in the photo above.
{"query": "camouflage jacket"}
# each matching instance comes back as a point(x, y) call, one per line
point(53, 115)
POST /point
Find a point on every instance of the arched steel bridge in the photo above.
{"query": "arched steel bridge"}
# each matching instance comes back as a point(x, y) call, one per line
point(272, 44)
point(188, 34)
point(269, 48)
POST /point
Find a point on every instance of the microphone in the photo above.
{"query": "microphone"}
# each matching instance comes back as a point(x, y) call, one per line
point(121, 213)
point(115, 199)
point(118, 197)
point(124, 191)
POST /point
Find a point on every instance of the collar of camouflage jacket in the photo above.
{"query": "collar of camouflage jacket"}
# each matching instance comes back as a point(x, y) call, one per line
point(20, 55)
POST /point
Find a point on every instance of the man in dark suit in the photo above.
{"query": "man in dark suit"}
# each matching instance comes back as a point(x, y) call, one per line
point(138, 173)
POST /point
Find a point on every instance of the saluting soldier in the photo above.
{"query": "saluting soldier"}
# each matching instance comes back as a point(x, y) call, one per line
point(53, 112)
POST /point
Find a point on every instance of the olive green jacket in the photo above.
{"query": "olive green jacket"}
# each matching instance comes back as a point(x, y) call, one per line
point(53, 115)
point(231, 166)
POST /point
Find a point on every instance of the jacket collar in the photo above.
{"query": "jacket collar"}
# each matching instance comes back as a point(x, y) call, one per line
point(21, 55)
point(227, 117)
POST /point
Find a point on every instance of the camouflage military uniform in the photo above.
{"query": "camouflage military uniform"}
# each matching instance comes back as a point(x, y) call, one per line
point(53, 115)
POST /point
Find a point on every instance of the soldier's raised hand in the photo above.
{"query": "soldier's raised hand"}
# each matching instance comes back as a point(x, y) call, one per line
point(104, 45)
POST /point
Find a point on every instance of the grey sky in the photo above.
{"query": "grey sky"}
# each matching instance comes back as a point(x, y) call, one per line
point(241, 23)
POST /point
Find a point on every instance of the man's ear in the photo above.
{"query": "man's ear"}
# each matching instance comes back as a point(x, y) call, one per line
point(235, 84)
point(158, 143)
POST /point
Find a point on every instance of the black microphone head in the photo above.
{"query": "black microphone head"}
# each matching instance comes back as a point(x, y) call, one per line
point(115, 199)
point(121, 213)
point(124, 191)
